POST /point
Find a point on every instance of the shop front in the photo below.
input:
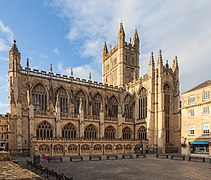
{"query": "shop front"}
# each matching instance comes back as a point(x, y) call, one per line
point(199, 147)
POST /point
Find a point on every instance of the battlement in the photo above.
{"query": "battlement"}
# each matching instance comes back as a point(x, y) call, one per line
point(49, 75)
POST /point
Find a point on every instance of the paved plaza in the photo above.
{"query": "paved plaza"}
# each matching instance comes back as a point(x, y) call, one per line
point(134, 169)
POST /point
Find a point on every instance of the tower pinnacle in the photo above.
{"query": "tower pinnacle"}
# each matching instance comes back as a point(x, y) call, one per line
point(105, 49)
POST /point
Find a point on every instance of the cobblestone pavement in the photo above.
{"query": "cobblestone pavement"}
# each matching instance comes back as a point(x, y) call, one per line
point(130, 169)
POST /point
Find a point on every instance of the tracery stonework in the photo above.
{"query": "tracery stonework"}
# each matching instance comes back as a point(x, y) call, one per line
point(55, 114)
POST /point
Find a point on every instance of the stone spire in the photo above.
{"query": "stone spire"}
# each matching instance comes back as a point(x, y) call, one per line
point(135, 37)
point(151, 65)
point(167, 64)
point(105, 49)
point(14, 47)
point(160, 59)
point(151, 61)
point(121, 29)
point(121, 36)
point(27, 63)
point(175, 64)
point(136, 41)
point(71, 72)
point(14, 54)
point(90, 76)
point(160, 63)
point(51, 68)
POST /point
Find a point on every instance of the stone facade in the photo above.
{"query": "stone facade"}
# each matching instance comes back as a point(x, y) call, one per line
point(4, 131)
point(62, 115)
point(196, 105)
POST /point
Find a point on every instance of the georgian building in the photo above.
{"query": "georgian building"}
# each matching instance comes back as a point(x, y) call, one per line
point(196, 120)
point(62, 115)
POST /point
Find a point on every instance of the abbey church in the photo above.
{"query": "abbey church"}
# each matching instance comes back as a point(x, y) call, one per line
point(60, 115)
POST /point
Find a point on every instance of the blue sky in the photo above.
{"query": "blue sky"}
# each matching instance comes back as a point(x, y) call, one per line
point(70, 33)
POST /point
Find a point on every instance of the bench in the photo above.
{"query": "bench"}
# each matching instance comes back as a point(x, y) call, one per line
point(140, 154)
point(178, 156)
point(112, 156)
point(54, 159)
point(76, 157)
point(162, 155)
point(96, 157)
point(196, 157)
point(127, 156)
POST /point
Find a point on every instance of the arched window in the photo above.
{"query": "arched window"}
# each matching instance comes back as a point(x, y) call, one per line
point(80, 95)
point(143, 104)
point(113, 107)
point(90, 132)
point(97, 148)
point(73, 149)
point(44, 149)
point(44, 130)
point(97, 104)
point(128, 147)
point(108, 147)
point(119, 147)
point(62, 100)
point(58, 149)
point(167, 111)
point(142, 133)
point(39, 99)
point(109, 132)
point(126, 133)
point(85, 148)
point(128, 103)
point(69, 131)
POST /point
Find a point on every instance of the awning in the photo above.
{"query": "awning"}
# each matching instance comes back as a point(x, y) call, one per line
point(200, 142)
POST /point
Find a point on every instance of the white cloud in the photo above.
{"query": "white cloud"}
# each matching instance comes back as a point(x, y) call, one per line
point(3, 45)
point(56, 51)
point(5, 29)
point(6, 37)
point(177, 27)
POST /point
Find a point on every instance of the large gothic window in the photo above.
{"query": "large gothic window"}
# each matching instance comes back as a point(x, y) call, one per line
point(80, 96)
point(90, 132)
point(44, 130)
point(167, 111)
point(69, 131)
point(97, 104)
point(143, 104)
point(142, 133)
point(62, 101)
point(39, 99)
point(128, 103)
point(126, 133)
point(109, 132)
point(113, 107)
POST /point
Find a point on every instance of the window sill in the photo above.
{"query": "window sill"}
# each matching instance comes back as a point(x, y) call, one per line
point(205, 134)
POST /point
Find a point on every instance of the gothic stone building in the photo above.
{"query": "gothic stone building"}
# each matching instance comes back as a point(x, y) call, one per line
point(55, 114)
